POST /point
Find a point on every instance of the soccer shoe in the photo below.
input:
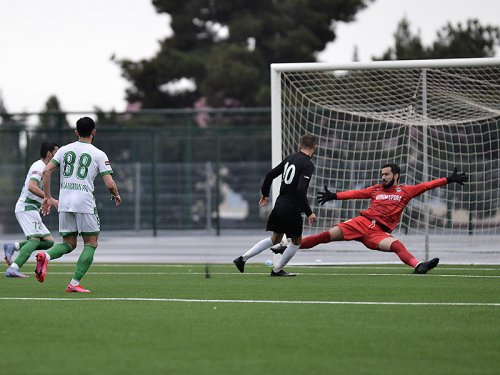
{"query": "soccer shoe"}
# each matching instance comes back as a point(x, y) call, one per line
point(11, 272)
point(76, 289)
point(8, 249)
point(41, 266)
point(240, 264)
point(282, 273)
point(424, 267)
point(278, 249)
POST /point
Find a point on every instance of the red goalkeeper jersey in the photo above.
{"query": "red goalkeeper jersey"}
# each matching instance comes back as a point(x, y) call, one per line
point(387, 205)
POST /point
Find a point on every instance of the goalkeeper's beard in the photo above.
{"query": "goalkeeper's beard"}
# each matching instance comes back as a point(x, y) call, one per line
point(389, 184)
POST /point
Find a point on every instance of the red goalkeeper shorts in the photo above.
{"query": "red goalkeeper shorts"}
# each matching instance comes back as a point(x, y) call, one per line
point(363, 230)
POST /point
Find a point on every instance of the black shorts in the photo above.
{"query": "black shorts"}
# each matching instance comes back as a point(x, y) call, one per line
point(284, 221)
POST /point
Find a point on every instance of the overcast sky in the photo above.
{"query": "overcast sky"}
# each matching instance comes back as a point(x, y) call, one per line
point(64, 47)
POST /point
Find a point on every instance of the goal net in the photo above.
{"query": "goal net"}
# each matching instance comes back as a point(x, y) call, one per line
point(428, 116)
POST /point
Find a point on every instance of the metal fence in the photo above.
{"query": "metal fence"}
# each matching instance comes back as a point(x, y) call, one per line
point(172, 173)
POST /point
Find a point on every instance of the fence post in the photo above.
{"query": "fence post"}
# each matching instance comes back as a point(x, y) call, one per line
point(217, 184)
point(137, 197)
point(27, 152)
point(208, 195)
point(153, 179)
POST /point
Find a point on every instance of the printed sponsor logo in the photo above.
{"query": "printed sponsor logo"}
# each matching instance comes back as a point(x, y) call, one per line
point(107, 162)
point(390, 197)
point(74, 186)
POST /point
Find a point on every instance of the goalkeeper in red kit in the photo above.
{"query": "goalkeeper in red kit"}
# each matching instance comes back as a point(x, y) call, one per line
point(373, 226)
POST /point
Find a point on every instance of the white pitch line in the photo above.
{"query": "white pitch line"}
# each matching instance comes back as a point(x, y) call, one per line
point(322, 266)
point(257, 301)
point(265, 273)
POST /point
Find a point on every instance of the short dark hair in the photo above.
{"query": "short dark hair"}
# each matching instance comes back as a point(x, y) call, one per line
point(308, 140)
point(84, 126)
point(394, 168)
point(46, 147)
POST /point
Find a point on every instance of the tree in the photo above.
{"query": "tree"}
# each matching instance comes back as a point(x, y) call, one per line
point(471, 40)
point(4, 115)
point(225, 48)
point(52, 116)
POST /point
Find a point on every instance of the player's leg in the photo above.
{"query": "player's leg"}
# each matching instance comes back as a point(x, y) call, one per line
point(293, 229)
point(274, 225)
point(89, 226)
point(256, 249)
point(34, 229)
point(83, 264)
point(262, 245)
point(25, 252)
point(9, 248)
point(38, 234)
point(46, 243)
point(334, 234)
point(288, 254)
point(22, 257)
point(392, 244)
point(62, 248)
point(68, 231)
point(56, 251)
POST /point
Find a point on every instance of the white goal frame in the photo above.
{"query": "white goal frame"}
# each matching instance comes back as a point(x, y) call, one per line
point(277, 69)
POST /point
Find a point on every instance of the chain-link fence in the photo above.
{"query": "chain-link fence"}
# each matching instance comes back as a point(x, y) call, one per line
point(172, 172)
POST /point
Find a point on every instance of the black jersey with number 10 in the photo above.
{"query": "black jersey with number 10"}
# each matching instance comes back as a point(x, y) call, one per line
point(296, 171)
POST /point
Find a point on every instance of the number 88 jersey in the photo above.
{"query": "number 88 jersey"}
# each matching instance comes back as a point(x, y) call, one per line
point(79, 163)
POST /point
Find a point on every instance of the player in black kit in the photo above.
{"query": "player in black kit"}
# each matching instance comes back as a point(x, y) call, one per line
point(286, 217)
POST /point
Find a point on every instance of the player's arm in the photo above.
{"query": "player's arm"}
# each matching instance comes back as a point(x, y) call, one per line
point(263, 201)
point(327, 195)
point(48, 201)
point(302, 187)
point(302, 190)
point(268, 180)
point(457, 177)
point(34, 189)
point(113, 189)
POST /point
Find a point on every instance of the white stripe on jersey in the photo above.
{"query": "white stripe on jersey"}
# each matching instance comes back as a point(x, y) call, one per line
point(35, 172)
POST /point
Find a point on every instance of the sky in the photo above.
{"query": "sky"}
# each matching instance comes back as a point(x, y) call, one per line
point(64, 47)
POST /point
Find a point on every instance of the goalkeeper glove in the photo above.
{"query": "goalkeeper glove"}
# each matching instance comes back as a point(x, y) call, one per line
point(459, 178)
point(325, 196)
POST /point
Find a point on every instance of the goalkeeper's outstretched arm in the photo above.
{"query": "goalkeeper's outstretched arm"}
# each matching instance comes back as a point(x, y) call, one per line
point(458, 177)
point(325, 196)
point(415, 190)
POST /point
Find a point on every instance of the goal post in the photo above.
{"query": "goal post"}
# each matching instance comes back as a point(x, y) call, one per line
point(428, 116)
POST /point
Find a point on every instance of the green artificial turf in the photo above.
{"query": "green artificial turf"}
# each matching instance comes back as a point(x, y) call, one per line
point(172, 319)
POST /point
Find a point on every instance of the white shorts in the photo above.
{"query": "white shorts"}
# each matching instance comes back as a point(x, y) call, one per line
point(31, 224)
point(74, 223)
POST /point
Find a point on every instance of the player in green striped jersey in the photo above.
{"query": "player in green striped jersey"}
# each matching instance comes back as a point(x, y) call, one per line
point(27, 212)
point(80, 163)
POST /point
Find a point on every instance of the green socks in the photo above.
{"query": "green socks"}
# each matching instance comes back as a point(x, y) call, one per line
point(59, 249)
point(84, 262)
point(25, 251)
point(45, 244)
